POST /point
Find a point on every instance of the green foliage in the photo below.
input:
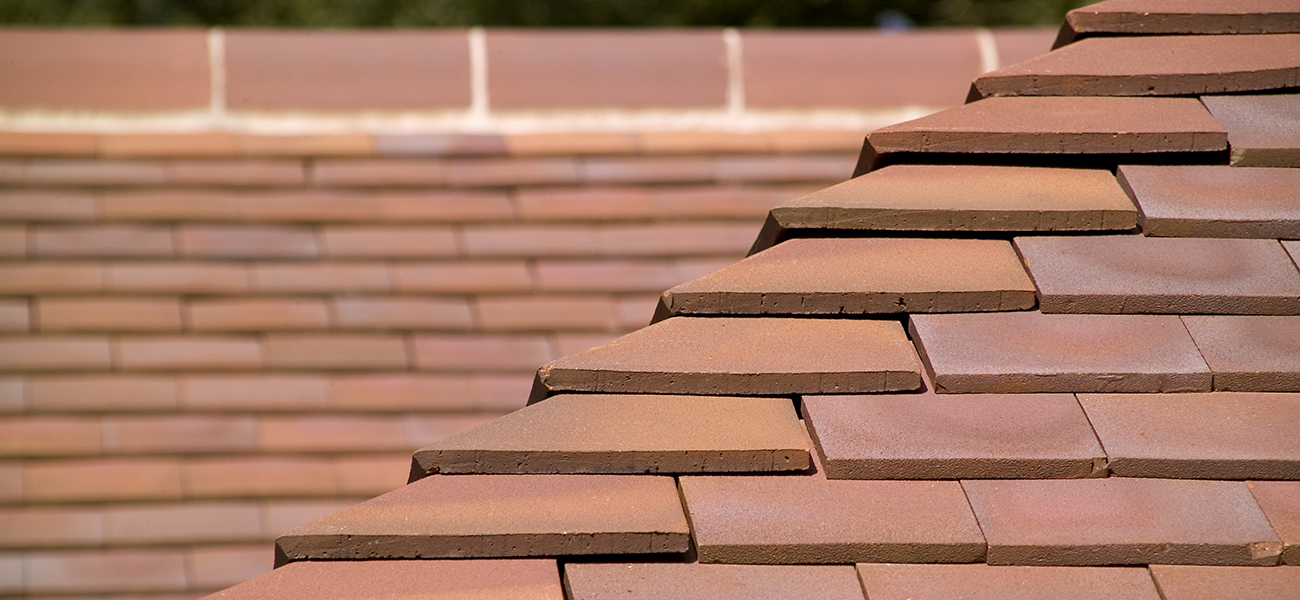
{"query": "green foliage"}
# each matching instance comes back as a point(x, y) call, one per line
point(533, 13)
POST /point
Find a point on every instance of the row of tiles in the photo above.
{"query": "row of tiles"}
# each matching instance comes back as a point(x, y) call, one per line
point(175, 573)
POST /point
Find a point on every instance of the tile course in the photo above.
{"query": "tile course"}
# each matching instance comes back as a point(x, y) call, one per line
point(601, 581)
point(1249, 353)
point(1280, 501)
point(1214, 201)
point(984, 582)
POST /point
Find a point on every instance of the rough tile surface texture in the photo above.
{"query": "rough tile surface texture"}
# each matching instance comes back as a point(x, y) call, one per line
point(1249, 353)
point(502, 579)
point(1280, 501)
point(1215, 583)
point(1185, 16)
point(984, 582)
point(1215, 201)
point(1263, 131)
point(695, 581)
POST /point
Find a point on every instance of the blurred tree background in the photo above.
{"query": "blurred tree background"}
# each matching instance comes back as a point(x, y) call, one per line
point(537, 13)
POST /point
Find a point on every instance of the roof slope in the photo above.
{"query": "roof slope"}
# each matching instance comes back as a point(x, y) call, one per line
point(1130, 432)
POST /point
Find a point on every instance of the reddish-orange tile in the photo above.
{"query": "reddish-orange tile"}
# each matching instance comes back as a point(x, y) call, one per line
point(535, 579)
point(321, 277)
point(375, 172)
point(372, 474)
point(1280, 501)
point(257, 392)
point(94, 172)
point(984, 582)
point(606, 581)
point(408, 391)
point(216, 567)
point(439, 144)
point(102, 241)
point(42, 205)
point(260, 476)
point(1214, 201)
point(180, 434)
point(368, 241)
point(440, 206)
point(103, 480)
point(1263, 130)
point(166, 144)
point(48, 277)
point(499, 172)
point(247, 241)
point(481, 352)
point(538, 144)
point(330, 433)
point(15, 316)
point(177, 277)
point(21, 143)
point(778, 169)
point(1145, 17)
point(171, 205)
point(466, 276)
point(604, 275)
point(545, 313)
point(92, 393)
point(339, 351)
point(236, 172)
point(652, 169)
point(1253, 354)
point(528, 240)
point(188, 352)
point(1222, 583)
point(13, 241)
point(257, 314)
point(108, 314)
point(54, 353)
point(188, 523)
point(339, 144)
point(41, 436)
point(402, 313)
point(310, 206)
point(42, 526)
point(105, 571)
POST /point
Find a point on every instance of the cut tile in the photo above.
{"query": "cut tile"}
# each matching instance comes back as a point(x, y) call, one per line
point(1146, 275)
point(1280, 501)
point(928, 436)
point(965, 198)
point(1025, 352)
point(834, 276)
point(1215, 201)
point(812, 520)
point(588, 433)
point(731, 356)
point(453, 516)
point(1263, 130)
point(1205, 17)
point(526, 579)
point(1118, 521)
point(1225, 583)
point(984, 582)
point(694, 581)
point(1164, 65)
point(1198, 436)
point(1249, 354)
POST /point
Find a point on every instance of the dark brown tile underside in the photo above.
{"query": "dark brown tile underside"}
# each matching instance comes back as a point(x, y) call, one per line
point(985, 582)
point(695, 581)
point(775, 520)
point(1145, 275)
point(1249, 353)
point(1263, 130)
point(1119, 520)
point(929, 436)
point(457, 516)
point(1225, 583)
point(584, 433)
point(501, 579)
point(1198, 436)
point(1027, 352)
point(1206, 17)
point(1280, 501)
point(1215, 201)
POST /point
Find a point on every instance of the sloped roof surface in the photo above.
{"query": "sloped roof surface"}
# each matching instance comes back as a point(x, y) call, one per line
point(1132, 433)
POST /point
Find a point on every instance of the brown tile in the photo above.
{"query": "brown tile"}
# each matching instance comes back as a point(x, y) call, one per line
point(247, 241)
point(501, 515)
point(13, 241)
point(530, 579)
point(1198, 436)
point(498, 172)
point(94, 393)
point(144, 241)
point(51, 353)
point(260, 476)
point(1253, 354)
point(1214, 201)
point(338, 351)
point(1115, 521)
point(984, 582)
point(177, 277)
point(103, 480)
point(1139, 274)
point(807, 69)
point(1026, 352)
point(12, 484)
point(104, 70)
point(633, 202)
point(180, 434)
point(108, 314)
point(44, 436)
point(1280, 501)
point(51, 277)
point(546, 313)
point(13, 395)
point(309, 145)
point(582, 433)
point(188, 352)
point(45, 526)
point(1152, 66)
point(257, 314)
point(605, 275)
point(606, 581)
point(1221, 583)
point(171, 205)
point(15, 316)
point(1015, 44)
point(166, 145)
point(808, 276)
point(816, 140)
point(374, 172)
point(186, 523)
point(237, 172)
point(784, 520)
point(89, 172)
point(928, 436)
point(321, 277)
point(105, 571)
point(1263, 131)
point(528, 240)
point(442, 206)
point(778, 169)
point(43, 205)
point(481, 352)
point(217, 567)
point(603, 69)
point(346, 70)
point(745, 357)
point(402, 313)
point(331, 433)
point(652, 169)
point(22, 143)
point(449, 144)
point(364, 241)
point(310, 205)
point(463, 276)
point(1145, 17)
point(570, 142)
point(256, 392)
point(676, 239)
point(965, 198)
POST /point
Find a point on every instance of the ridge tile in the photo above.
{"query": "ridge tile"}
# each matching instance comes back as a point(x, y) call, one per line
point(1116, 521)
point(984, 582)
point(456, 516)
point(695, 581)
point(1280, 501)
point(1215, 201)
point(1152, 66)
point(862, 275)
point(964, 436)
point(1249, 353)
point(1180, 582)
point(590, 433)
point(811, 520)
point(739, 356)
point(1223, 435)
point(1139, 274)
point(1204, 17)
point(520, 579)
point(1263, 130)
point(1027, 352)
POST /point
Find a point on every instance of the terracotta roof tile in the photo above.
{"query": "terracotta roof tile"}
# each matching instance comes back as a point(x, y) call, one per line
point(1280, 501)
point(1122, 521)
point(1139, 274)
point(1025, 352)
point(664, 581)
point(451, 516)
point(504, 579)
point(929, 436)
point(806, 276)
point(984, 582)
point(1147, 17)
point(1221, 583)
point(1263, 131)
point(1214, 201)
point(787, 520)
point(1198, 436)
point(1253, 354)
point(744, 356)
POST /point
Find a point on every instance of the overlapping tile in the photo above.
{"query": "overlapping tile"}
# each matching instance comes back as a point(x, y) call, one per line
point(795, 520)
point(694, 581)
point(985, 582)
point(1145, 275)
point(1249, 353)
point(1148, 17)
point(1198, 436)
point(1280, 501)
point(1215, 201)
point(588, 433)
point(738, 356)
point(1263, 130)
point(520, 579)
point(1117, 520)
point(1178, 582)
point(1059, 126)
point(455, 516)
point(929, 436)
point(1026, 352)
point(861, 275)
